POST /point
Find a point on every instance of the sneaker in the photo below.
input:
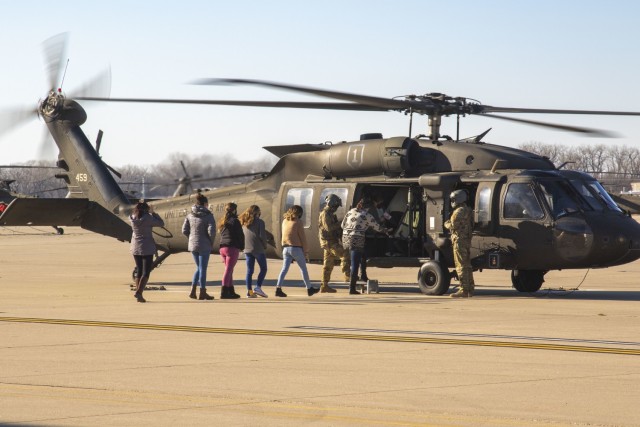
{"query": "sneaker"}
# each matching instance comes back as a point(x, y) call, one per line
point(260, 292)
point(251, 294)
point(139, 297)
point(311, 291)
point(280, 293)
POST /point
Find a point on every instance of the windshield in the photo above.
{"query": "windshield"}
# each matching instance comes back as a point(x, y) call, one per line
point(602, 194)
point(590, 195)
point(562, 198)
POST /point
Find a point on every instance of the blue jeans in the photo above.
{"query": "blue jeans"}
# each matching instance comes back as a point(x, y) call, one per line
point(202, 262)
point(251, 263)
point(290, 253)
point(356, 259)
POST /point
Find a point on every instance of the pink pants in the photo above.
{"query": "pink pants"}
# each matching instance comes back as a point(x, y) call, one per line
point(229, 258)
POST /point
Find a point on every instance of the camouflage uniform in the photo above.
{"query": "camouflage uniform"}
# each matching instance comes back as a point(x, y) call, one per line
point(461, 224)
point(330, 233)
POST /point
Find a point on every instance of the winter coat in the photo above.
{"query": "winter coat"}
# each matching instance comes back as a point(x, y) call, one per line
point(142, 242)
point(354, 227)
point(200, 227)
point(255, 237)
point(232, 234)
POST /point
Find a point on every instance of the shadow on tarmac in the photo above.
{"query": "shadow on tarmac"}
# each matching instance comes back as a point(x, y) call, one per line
point(408, 289)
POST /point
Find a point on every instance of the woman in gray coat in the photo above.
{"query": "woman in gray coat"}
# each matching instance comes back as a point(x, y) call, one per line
point(255, 245)
point(200, 227)
point(143, 219)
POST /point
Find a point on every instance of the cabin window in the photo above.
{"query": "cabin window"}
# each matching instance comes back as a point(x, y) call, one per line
point(302, 197)
point(340, 192)
point(484, 206)
point(520, 203)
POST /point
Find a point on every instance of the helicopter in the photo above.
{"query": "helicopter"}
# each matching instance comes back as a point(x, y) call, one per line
point(529, 216)
point(7, 194)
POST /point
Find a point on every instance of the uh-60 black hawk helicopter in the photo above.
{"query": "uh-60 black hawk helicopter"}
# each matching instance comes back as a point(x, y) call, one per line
point(530, 217)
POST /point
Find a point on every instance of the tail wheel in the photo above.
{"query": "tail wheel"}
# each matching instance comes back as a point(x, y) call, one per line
point(433, 279)
point(527, 280)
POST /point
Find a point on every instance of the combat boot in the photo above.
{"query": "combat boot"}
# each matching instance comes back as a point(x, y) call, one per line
point(192, 295)
point(204, 295)
point(325, 288)
point(462, 293)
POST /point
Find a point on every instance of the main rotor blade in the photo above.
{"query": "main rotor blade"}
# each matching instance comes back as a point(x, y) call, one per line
point(220, 178)
point(388, 104)
point(490, 109)
point(99, 86)
point(583, 130)
point(54, 52)
point(13, 118)
point(276, 104)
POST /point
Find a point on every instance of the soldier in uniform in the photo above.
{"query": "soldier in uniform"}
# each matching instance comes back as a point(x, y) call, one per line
point(460, 225)
point(330, 235)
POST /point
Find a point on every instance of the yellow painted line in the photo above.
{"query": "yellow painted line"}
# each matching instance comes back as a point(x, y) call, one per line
point(329, 335)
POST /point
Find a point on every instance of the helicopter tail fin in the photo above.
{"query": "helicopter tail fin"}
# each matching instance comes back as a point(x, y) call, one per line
point(86, 175)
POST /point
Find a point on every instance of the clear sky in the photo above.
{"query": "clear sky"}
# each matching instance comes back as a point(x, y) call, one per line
point(578, 54)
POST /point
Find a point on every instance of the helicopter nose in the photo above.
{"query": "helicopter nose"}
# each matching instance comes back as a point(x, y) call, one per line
point(630, 240)
point(619, 243)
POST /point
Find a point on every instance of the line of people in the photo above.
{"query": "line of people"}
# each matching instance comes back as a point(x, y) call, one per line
point(247, 233)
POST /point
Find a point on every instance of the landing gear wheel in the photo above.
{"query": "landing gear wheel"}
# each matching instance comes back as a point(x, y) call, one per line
point(527, 280)
point(433, 279)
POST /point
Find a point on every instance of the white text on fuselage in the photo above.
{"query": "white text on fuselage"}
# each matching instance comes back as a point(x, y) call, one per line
point(177, 213)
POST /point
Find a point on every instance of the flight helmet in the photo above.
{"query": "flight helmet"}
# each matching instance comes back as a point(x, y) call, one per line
point(333, 201)
point(458, 197)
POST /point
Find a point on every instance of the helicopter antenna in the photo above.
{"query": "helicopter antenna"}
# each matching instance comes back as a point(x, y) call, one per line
point(564, 164)
point(64, 75)
point(410, 121)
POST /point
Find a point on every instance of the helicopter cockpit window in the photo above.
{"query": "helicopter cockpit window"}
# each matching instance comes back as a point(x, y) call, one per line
point(302, 197)
point(598, 189)
point(589, 194)
point(561, 198)
point(520, 203)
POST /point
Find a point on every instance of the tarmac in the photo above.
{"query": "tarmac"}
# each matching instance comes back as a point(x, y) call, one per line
point(76, 349)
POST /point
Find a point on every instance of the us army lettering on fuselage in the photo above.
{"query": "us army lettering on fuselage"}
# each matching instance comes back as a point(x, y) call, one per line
point(177, 213)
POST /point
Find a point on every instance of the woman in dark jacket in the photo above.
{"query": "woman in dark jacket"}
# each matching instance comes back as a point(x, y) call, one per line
point(231, 243)
point(200, 227)
point(143, 219)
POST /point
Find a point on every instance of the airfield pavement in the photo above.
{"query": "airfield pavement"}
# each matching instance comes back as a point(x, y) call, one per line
point(77, 350)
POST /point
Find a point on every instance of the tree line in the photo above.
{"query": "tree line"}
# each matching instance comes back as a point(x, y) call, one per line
point(615, 166)
point(144, 181)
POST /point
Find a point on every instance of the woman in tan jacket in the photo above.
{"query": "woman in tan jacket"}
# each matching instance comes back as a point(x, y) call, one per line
point(294, 247)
